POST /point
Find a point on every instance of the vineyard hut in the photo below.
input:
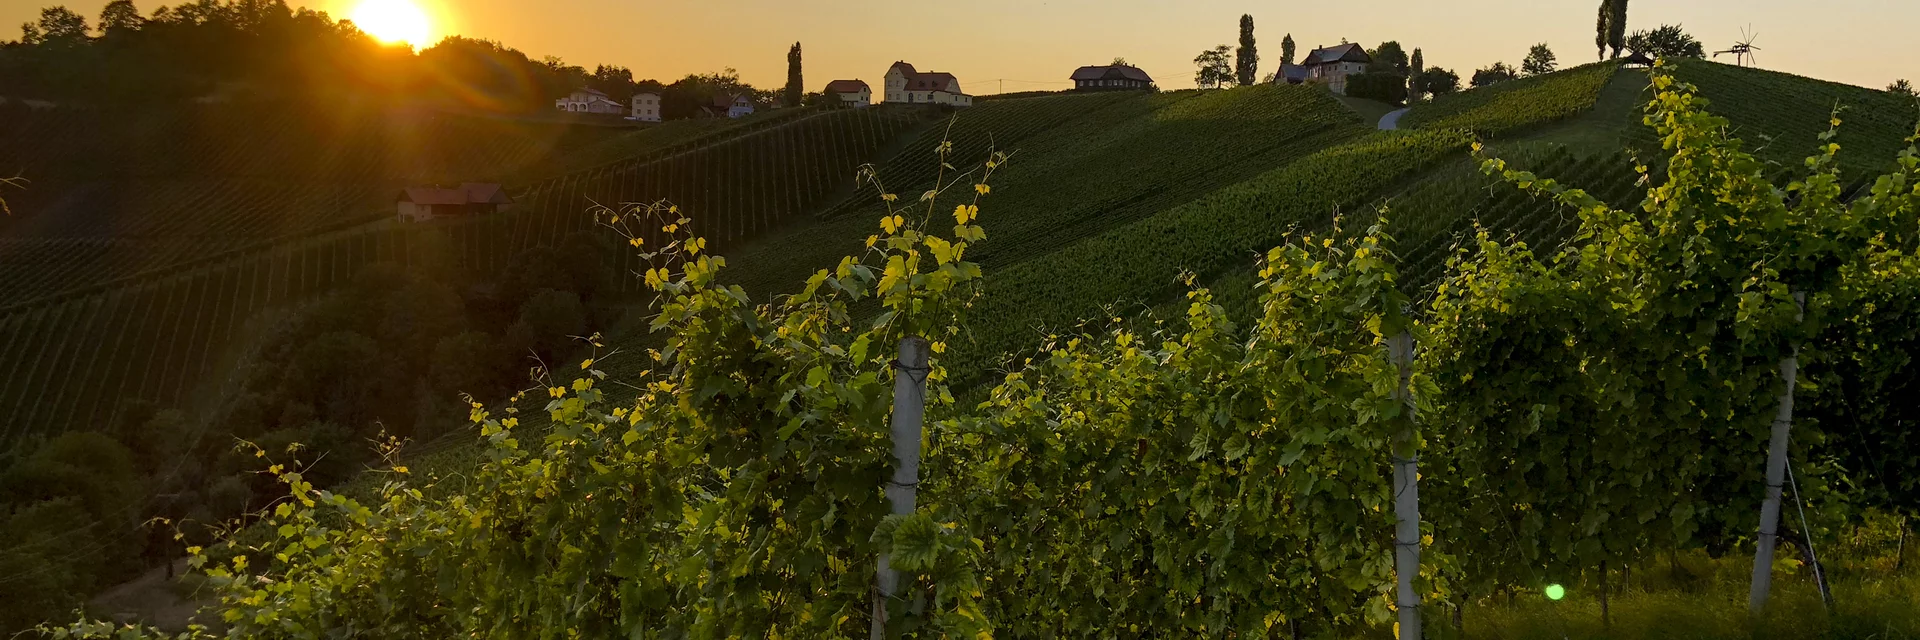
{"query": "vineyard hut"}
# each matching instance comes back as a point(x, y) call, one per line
point(1113, 77)
point(1333, 65)
point(588, 100)
point(420, 204)
point(851, 93)
point(906, 85)
point(1292, 74)
point(646, 107)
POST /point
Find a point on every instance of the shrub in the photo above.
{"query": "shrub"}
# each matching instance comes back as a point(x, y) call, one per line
point(1390, 88)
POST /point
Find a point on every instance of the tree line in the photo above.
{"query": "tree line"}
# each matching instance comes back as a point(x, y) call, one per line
point(239, 49)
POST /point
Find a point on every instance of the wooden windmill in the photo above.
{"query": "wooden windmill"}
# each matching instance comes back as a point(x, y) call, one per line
point(1743, 50)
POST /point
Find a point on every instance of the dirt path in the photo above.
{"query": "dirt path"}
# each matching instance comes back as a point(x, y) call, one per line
point(1391, 121)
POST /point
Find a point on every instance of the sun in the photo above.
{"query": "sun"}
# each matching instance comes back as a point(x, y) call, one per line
point(393, 21)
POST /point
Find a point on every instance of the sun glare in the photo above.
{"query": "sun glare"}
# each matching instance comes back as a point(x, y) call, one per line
point(393, 21)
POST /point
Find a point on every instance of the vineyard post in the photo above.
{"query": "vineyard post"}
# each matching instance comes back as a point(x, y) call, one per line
point(1406, 493)
point(1776, 475)
point(909, 411)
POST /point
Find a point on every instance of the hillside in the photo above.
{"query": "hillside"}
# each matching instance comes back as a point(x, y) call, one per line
point(173, 331)
point(115, 194)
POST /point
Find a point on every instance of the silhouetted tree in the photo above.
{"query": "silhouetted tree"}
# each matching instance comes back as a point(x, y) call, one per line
point(1389, 57)
point(120, 17)
point(1902, 88)
point(1215, 70)
point(1439, 81)
point(1287, 50)
point(60, 24)
point(1246, 60)
point(796, 83)
point(1540, 61)
point(1493, 75)
point(1668, 41)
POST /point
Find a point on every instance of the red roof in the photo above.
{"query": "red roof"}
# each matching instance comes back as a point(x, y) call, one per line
point(904, 68)
point(1114, 71)
point(846, 86)
point(725, 101)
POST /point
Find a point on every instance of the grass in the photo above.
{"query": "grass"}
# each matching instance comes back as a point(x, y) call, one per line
point(1370, 110)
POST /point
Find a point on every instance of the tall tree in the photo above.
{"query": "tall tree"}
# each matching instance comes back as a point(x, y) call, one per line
point(1246, 60)
point(1540, 61)
point(796, 85)
point(1414, 89)
point(1603, 27)
point(1902, 88)
point(1215, 70)
point(62, 24)
point(1617, 26)
point(1286, 50)
point(1668, 41)
point(30, 33)
point(120, 16)
point(1389, 57)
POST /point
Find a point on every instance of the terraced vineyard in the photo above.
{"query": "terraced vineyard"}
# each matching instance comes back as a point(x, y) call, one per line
point(118, 194)
point(1097, 162)
point(163, 335)
point(1781, 116)
point(1514, 106)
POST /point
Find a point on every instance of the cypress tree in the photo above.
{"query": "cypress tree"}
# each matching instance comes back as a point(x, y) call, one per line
point(1247, 59)
point(1617, 26)
point(1286, 50)
point(1413, 79)
point(796, 87)
point(1602, 28)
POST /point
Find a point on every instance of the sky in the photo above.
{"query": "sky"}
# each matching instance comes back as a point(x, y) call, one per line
point(1025, 45)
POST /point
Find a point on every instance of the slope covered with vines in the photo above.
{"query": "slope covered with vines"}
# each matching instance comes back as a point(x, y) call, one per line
point(1516, 105)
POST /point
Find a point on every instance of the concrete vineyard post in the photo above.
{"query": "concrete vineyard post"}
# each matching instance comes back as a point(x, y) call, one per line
point(909, 412)
point(1406, 494)
point(1776, 476)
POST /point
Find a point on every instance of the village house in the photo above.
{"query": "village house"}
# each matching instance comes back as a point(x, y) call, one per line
point(905, 85)
point(849, 93)
point(588, 100)
point(1292, 74)
point(1333, 65)
point(420, 204)
point(1113, 77)
point(646, 107)
point(729, 106)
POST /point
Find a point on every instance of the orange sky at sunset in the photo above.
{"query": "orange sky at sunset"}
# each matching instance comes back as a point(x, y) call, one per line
point(1035, 44)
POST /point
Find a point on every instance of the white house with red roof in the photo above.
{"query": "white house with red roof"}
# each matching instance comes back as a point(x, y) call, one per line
point(1333, 65)
point(588, 100)
point(905, 85)
point(850, 93)
point(730, 106)
point(420, 204)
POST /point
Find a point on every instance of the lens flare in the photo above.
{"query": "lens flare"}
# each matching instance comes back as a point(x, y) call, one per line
point(1556, 592)
point(393, 21)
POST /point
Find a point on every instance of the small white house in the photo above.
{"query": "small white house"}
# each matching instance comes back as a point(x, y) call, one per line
point(646, 107)
point(905, 85)
point(1333, 65)
point(588, 100)
point(731, 106)
point(851, 93)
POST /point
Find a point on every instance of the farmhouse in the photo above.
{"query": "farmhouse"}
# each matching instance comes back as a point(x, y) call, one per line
point(905, 85)
point(852, 93)
point(420, 204)
point(588, 100)
point(646, 107)
point(729, 106)
point(1113, 77)
point(1333, 65)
